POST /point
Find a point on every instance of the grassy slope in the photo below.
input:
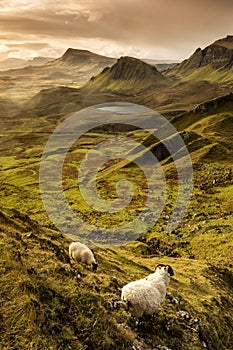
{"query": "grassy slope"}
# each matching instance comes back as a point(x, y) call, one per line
point(128, 76)
point(182, 96)
point(46, 303)
point(63, 309)
point(213, 64)
point(206, 73)
point(73, 69)
point(129, 86)
point(210, 74)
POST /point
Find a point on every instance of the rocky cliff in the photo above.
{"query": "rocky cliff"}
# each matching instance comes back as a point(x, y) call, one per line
point(218, 55)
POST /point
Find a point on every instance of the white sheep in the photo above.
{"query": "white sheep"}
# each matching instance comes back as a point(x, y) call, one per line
point(81, 253)
point(144, 296)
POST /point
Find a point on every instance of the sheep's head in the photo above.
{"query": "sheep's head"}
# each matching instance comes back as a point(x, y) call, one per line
point(94, 266)
point(162, 268)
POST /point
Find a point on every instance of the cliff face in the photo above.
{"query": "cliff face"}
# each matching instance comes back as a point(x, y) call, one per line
point(216, 107)
point(218, 55)
point(215, 104)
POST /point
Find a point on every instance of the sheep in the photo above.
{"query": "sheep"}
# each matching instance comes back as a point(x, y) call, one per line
point(144, 296)
point(81, 253)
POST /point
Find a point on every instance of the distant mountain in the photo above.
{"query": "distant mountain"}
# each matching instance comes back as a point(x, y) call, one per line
point(128, 76)
point(157, 61)
point(161, 65)
point(83, 60)
point(213, 63)
point(11, 63)
point(164, 66)
point(73, 68)
point(207, 74)
point(74, 57)
point(39, 61)
point(17, 63)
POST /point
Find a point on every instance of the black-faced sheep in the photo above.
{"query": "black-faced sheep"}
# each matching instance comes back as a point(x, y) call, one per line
point(81, 253)
point(146, 295)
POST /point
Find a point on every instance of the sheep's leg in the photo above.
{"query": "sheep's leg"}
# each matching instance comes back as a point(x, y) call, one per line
point(129, 306)
point(116, 304)
point(119, 303)
point(135, 322)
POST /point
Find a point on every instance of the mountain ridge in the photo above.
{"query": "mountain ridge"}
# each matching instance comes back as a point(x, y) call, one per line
point(18, 63)
point(128, 75)
point(79, 57)
point(72, 69)
point(49, 302)
point(217, 57)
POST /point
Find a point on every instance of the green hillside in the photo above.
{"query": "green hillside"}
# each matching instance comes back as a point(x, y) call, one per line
point(72, 69)
point(47, 302)
point(128, 76)
point(210, 74)
point(213, 63)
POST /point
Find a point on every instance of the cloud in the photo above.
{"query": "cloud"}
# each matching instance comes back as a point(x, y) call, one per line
point(154, 26)
point(29, 45)
point(4, 48)
point(28, 50)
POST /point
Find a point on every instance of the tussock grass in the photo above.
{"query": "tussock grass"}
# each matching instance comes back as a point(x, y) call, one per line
point(48, 303)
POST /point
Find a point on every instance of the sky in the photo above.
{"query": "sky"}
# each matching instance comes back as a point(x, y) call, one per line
point(159, 29)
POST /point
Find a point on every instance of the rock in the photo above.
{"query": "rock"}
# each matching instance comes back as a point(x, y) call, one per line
point(173, 299)
point(161, 347)
point(195, 325)
point(195, 228)
point(137, 345)
point(183, 314)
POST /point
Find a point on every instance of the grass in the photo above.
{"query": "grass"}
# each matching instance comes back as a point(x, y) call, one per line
point(47, 303)
point(52, 304)
point(210, 74)
point(19, 180)
point(127, 77)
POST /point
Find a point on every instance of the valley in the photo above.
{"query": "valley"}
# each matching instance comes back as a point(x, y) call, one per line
point(48, 302)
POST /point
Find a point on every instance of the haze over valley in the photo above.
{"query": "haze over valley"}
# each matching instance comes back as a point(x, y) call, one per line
point(154, 106)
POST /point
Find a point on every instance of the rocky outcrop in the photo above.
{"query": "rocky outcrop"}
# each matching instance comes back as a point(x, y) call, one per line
point(219, 55)
point(205, 108)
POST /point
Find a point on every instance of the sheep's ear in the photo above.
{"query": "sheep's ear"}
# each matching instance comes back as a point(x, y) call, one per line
point(94, 266)
point(170, 270)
